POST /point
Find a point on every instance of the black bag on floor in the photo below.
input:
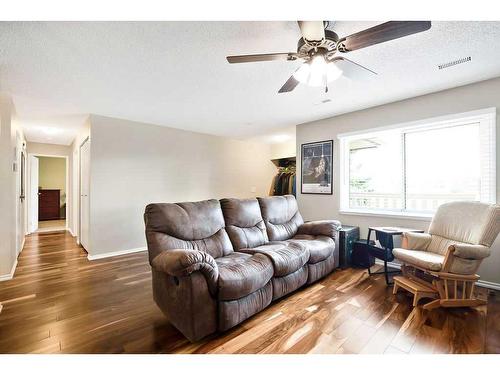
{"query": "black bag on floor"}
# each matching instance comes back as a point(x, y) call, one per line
point(360, 257)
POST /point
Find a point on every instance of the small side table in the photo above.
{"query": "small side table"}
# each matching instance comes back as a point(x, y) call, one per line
point(385, 236)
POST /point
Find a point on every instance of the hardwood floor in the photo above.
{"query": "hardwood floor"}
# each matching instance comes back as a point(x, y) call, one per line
point(51, 225)
point(58, 302)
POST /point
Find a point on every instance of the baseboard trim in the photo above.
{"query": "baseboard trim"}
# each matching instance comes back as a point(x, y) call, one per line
point(488, 284)
point(481, 283)
point(116, 253)
point(10, 275)
point(390, 264)
point(22, 245)
point(70, 232)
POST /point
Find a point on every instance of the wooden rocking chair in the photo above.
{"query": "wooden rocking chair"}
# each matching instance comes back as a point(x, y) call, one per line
point(442, 263)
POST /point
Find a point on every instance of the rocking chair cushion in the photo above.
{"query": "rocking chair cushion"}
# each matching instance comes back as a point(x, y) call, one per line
point(422, 259)
point(416, 241)
point(467, 251)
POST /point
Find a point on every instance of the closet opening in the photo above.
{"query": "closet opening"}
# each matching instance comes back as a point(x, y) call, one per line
point(285, 180)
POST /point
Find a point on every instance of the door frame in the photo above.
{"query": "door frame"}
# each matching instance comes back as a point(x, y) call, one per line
point(22, 162)
point(79, 216)
point(68, 192)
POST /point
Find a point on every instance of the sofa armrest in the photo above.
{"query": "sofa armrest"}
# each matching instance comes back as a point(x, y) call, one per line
point(467, 251)
point(415, 241)
point(181, 263)
point(327, 228)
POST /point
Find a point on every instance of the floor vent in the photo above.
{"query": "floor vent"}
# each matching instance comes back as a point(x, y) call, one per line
point(453, 63)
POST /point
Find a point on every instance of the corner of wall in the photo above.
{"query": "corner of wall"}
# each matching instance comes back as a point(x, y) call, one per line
point(8, 199)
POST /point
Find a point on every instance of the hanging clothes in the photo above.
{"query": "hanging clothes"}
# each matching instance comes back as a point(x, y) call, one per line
point(283, 183)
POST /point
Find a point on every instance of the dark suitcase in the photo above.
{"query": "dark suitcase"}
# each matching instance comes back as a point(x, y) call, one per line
point(360, 257)
point(347, 236)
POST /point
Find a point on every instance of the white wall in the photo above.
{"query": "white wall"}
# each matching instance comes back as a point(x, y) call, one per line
point(11, 225)
point(462, 99)
point(133, 164)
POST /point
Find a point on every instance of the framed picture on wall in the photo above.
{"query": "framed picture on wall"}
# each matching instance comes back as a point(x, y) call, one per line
point(317, 168)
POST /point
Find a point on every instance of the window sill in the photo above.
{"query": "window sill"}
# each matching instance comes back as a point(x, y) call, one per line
point(388, 214)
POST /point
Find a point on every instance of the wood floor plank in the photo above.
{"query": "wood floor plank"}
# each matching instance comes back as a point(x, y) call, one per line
point(60, 302)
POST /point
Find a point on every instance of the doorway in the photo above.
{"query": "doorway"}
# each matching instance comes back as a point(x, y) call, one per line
point(48, 201)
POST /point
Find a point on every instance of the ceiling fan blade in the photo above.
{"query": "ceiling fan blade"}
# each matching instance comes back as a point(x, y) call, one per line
point(289, 85)
point(381, 33)
point(261, 57)
point(313, 31)
point(351, 69)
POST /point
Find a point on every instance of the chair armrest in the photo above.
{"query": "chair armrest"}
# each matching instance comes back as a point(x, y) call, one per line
point(181, 263)
point(327, 228)
point(415, 241)
point(467, 251)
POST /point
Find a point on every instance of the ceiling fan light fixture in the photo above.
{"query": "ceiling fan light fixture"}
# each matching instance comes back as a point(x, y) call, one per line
point(302, 74)
point(312, 73)
point(318, 71)
point(333, 71)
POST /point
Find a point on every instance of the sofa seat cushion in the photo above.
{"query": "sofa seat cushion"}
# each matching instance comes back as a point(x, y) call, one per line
point(319, 247)
point(287, 257)
point(419, 258)
point(234, 312)
point(242, 274)
point(287, 284)
point(318, 270)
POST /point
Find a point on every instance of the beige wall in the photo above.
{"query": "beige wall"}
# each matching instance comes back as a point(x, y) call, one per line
point(47, 149)
point(133, 164)
point(284, 149)
point(52, 175)
point(462, 99)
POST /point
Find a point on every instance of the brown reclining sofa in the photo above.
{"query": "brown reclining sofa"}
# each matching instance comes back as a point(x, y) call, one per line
point(216, 263)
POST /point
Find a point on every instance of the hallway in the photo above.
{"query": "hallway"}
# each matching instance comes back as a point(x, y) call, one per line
point(59, 302)
point(51, 225)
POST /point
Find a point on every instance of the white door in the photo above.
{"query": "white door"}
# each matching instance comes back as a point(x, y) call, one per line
point(84, 194)
point(33, 198)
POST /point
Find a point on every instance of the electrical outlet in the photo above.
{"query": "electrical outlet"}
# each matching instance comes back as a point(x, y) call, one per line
point(253, 189)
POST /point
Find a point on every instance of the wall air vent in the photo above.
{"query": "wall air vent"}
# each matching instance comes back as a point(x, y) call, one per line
point(455, 62)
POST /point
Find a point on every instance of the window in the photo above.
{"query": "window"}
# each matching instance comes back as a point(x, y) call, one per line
point(411, 169)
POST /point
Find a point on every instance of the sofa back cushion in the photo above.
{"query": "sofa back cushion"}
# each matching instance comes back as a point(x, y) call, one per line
point(244, 223)
point(281, 216)
point(190, 225)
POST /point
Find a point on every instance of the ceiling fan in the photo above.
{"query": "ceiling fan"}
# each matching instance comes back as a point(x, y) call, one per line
point(319, 46)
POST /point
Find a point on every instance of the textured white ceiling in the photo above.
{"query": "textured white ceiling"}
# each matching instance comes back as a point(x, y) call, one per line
point(175, 73)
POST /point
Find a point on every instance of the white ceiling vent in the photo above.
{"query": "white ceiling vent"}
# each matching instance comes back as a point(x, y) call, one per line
point(455, 62)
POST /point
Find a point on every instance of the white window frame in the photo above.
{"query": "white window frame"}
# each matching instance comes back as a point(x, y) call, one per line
point(487, 128)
